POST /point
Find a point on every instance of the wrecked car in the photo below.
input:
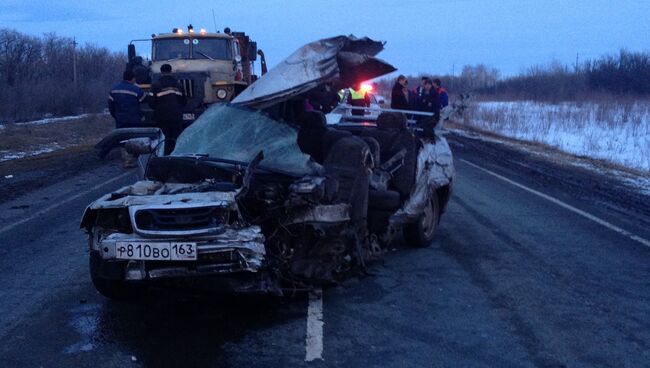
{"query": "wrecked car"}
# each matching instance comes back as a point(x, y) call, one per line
point(260, 195)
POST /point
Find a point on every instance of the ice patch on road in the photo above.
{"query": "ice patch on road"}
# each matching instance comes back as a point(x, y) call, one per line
point(85, 323)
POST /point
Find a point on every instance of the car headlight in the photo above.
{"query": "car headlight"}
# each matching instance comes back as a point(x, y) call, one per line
point(114, 219)
point(222, 93)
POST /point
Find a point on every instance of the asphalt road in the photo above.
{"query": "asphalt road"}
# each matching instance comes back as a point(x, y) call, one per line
point(534, 264)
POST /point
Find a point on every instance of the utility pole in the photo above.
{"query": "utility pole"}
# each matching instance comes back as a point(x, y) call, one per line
point(577, 61)
point(74, 62)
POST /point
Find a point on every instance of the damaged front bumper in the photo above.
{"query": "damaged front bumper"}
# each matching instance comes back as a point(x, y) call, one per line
point(231, 251)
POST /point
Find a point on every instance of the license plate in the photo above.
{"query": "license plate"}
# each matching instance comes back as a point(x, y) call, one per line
point(188, 116)
point(145, 251)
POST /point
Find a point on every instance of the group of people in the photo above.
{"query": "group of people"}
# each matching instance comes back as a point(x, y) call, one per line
point(165, 98)
point(429, 97)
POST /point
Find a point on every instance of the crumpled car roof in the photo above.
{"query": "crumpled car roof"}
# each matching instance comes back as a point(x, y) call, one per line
point(342, 61)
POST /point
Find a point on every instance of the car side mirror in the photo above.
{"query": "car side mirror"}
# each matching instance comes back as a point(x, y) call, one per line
point(130, 51)
point(139, 146)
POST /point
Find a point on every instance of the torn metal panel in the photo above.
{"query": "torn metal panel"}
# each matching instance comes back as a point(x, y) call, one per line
point(342, 60)
point(146, 192)
point(435, 169)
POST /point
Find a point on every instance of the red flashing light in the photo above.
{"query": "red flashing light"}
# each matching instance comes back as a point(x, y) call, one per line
point(365, 87)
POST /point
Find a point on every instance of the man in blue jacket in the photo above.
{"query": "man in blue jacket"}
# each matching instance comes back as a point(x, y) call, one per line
point(124, 102)
point(124, 105)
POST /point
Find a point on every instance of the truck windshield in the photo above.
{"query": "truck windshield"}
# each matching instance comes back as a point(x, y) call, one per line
point(211, 48)
point(176, 48)
point(202, 48)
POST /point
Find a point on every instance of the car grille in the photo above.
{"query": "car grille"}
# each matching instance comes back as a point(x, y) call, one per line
point(188, 87)
point(179, 219)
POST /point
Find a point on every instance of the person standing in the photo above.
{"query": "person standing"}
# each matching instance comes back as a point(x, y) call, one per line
point(124, 105)
point(399, 94)
point(442, 93)
point(357, 97)
point(418, 92)
point(429, 102)
point(141, 72)
point(167, 102)
point(124, 102)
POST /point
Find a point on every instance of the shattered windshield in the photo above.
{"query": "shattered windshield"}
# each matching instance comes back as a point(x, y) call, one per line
point(238, 134)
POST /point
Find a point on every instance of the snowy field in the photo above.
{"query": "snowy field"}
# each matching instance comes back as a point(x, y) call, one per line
point(50, 120)
point(619, 133)
point(33, 138)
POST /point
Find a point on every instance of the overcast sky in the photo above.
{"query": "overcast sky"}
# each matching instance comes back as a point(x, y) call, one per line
point(432, 36)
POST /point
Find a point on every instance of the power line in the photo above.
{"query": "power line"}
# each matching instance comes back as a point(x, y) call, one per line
point(74, 62)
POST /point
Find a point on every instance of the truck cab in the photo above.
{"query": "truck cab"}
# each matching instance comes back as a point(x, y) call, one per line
point(210, 67)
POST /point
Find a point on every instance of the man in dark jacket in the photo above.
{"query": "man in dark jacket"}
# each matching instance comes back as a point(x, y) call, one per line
point(124, 102)
point(429, 102)
point(398, 97)
point(141, 72)
point(442, 93)
point(167, 102)
point(418, 92)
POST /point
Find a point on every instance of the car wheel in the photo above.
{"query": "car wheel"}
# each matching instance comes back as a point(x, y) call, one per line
point(112, 289)
point(420, 233)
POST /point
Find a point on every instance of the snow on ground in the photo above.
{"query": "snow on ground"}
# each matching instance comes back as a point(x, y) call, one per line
point(54, 120)
point(10, 155)
point(633, 179)
point(619, 133)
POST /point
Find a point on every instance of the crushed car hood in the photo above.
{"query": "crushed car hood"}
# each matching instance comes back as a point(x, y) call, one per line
point(342, 61)
point(150, 192)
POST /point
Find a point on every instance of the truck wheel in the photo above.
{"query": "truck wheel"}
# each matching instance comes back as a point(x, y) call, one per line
point(420, 233)
point(112, 289)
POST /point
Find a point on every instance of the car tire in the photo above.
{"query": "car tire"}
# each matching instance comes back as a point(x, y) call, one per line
point(112, 289)
point(420, 233)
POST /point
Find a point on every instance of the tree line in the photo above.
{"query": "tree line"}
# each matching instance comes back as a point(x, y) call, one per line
point(626, 74)
point(37, 76)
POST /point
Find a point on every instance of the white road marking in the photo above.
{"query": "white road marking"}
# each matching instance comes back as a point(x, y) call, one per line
point(314, 338)
point(567, 206)
point(50, 208)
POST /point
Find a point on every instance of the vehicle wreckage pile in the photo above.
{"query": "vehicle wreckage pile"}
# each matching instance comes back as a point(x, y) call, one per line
point(262, 196)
